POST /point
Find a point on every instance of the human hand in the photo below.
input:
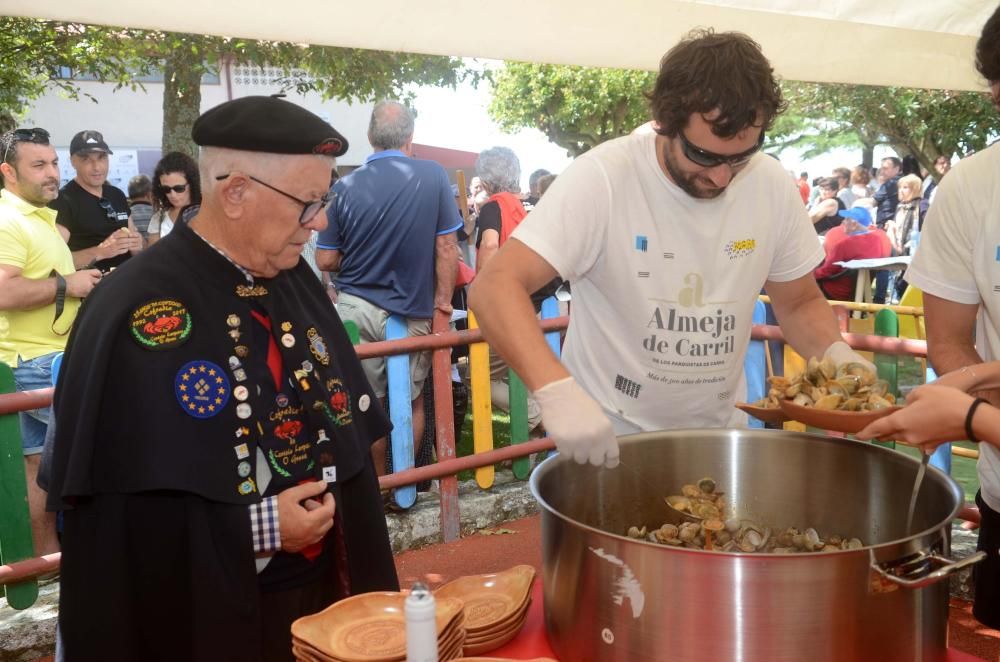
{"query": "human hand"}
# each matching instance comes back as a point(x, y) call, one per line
point(302, 518)
point(116, 243)
point(444, 306)
point(933, 414)
point(134, 239)
point(80, 283)
point(841, 353)
point(577, 423)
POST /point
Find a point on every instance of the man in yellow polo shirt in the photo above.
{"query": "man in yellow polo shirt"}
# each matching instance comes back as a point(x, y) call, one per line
point(40, 293)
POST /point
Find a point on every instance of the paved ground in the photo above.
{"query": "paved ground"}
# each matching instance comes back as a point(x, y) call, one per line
point(500, 547)
point(519, 542)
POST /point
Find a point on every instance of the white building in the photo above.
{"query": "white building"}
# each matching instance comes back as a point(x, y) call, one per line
point(132, 122)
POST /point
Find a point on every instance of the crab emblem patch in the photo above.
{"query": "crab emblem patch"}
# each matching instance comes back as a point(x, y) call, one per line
point(160, 324)
point(202, 389)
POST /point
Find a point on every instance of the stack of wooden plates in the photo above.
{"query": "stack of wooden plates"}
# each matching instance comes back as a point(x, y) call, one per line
point(496, 606)
point(371, 627)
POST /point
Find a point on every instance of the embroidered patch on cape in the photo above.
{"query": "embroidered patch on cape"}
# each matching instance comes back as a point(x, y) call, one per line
point(160, 324)
point(202, 389)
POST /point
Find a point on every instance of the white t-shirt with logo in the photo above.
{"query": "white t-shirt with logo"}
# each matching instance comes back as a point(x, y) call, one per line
point(959, 260)
point(664, 285)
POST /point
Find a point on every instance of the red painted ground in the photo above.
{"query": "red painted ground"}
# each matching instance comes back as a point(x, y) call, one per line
point(491, 553)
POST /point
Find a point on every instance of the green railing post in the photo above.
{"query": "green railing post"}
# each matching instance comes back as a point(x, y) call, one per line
point(15, 520)
point(518, 398)
point(887, 326)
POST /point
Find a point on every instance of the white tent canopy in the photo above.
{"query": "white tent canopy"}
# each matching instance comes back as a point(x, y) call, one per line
point(880, 42)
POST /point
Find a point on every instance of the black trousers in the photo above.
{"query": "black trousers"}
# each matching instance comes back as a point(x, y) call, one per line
point(986, 574)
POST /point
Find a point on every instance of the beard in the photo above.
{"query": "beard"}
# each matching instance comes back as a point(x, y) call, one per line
point(39, 195)
point(689, 182)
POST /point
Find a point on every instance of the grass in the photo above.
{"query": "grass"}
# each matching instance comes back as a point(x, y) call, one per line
point(910, 374)
point(501, 438)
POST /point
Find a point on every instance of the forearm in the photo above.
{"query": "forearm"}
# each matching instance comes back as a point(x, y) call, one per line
point(986, 424)
point(19, 293)
point(445, 269)
point(505, 314)
point(85, 257)
point(809, 327)
point(484, 255)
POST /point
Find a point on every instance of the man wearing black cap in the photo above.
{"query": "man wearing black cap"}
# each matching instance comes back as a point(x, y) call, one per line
point(235, 491)
point(95, 212)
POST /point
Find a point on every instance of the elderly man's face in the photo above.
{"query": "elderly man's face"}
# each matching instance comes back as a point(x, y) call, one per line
point(273, 237)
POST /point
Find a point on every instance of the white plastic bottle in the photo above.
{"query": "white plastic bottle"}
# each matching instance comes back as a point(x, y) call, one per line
point(421, 626)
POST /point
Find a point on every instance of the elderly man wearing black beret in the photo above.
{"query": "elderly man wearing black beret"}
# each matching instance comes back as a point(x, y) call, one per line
point(213, 429)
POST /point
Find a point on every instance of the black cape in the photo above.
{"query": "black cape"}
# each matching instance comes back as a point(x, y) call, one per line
point(157, 554)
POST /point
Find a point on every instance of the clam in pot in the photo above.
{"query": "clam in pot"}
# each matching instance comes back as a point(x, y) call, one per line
point(610, 597)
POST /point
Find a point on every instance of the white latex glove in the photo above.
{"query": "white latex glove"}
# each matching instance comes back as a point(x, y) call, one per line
point(577, 423)
point(840, 352)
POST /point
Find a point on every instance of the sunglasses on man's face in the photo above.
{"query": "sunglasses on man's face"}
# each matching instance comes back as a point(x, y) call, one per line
point(36, 135)
point(176, 188)
point(707, 159)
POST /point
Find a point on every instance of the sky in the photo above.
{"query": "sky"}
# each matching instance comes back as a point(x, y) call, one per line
point(458, 119)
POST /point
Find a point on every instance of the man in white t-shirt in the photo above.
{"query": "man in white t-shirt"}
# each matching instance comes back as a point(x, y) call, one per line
point(667, 238)
point(958, 268)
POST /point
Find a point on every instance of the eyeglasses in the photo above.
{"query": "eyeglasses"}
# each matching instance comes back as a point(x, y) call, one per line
point(36, 135)
point(176, 188)
point(109, 211)
point(309, 207)
point(706, 159)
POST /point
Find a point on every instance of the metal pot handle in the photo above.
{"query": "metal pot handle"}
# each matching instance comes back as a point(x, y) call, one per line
point(922, 569)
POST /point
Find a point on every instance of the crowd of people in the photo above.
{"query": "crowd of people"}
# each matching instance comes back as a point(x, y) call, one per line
point(892, 204)
point(214, 439)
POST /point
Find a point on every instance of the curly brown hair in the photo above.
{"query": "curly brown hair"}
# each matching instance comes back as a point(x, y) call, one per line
point(988, 49)
point(707, 71)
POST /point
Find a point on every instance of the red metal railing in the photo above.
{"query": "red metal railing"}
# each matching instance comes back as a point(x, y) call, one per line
point(448, 465)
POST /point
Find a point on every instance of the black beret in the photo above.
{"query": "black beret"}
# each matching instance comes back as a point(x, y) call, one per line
point(267, 124)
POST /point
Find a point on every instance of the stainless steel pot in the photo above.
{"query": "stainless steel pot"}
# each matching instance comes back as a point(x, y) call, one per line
point(609, 597)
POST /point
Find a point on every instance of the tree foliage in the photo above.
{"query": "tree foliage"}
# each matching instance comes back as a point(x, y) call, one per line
point(924, 123)
point(32, 50)
point(580, 107)
point(576, 107)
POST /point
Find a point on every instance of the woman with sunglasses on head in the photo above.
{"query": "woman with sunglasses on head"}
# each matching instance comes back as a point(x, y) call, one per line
point(176, 185)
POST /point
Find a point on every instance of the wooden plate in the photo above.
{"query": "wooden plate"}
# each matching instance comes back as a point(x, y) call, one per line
point(487, 646)
point(834, 419)
point(490, 599)
point(515, 626)
point(766, 414)
point(367, 628)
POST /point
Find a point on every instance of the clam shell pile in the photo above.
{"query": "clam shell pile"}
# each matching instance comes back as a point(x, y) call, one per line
point(851, 387)
point(712, 532)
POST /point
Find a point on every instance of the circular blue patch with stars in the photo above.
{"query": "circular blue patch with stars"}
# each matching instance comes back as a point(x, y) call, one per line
point(202, 389)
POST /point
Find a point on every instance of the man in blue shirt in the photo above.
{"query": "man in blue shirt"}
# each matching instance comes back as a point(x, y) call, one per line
point(391, 239)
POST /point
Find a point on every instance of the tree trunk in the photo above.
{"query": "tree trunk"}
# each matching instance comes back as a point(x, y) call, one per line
point(868, 155)
point(181, 101)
